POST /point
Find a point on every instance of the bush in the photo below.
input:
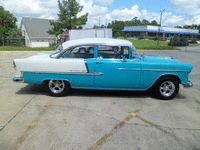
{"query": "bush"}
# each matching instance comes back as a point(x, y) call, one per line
point(117, 34)
point(155, 38)
point(127, 35)
point(175, 41)
point(157, 47)
point(143, 36)
point(193, 41)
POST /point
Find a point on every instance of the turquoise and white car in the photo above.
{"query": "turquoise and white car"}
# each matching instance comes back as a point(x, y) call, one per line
point(108, 64)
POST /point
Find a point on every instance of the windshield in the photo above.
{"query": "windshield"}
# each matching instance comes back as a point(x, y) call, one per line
point(135, 53)
point(57, 51)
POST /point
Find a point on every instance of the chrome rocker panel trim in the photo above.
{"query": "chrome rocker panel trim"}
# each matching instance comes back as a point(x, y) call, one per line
point(68, 73)
point(132, 69)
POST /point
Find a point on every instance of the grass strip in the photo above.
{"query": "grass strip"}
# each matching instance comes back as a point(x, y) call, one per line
point(148, 44)
point(17, 48)
point(139, 44)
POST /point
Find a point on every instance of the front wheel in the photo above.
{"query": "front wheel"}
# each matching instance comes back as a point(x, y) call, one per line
point(57, 87)
point(166, 88)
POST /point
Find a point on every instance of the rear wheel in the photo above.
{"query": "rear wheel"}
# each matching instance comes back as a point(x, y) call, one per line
point(57, 87)
point(166, 88)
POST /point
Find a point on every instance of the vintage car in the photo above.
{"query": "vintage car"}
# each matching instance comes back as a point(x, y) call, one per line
point(115, 66)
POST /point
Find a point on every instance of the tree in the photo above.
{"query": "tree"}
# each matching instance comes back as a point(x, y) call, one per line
point(15, 39)
point(7, 22)
point(187, 27)
point(117, 34)
point(198, 27)
point(102, 26)
point(136, 21)
point(117, 26)
point(154, 23)
point(95, 27)
point(178, 27)
point(67, 17)
point(145, 22)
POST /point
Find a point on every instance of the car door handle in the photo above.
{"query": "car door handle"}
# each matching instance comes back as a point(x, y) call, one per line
point(99, 62)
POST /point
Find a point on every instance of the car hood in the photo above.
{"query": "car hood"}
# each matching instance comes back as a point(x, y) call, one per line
point(151, 58)
point(164, 63)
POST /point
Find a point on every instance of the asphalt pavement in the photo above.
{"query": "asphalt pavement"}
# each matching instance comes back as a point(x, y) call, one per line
point(97, 119)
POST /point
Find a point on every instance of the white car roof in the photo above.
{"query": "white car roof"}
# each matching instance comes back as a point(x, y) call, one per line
point(97, 41)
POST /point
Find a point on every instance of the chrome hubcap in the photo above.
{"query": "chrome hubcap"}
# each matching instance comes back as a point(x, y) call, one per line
point(56, 86)
point(167, 88)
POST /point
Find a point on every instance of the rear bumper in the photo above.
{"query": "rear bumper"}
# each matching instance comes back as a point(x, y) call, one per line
point(17, 79)
point(188, 84)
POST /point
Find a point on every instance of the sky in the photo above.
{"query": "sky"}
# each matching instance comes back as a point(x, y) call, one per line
point(177, 12)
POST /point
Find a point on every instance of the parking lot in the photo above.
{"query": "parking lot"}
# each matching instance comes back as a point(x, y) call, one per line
point(96, 119)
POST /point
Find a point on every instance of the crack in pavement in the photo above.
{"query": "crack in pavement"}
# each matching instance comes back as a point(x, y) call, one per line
point(108, 135)
point(92, 111)
point(29, 129)
point(165, 127)
point(112, 117)
point(17, 113)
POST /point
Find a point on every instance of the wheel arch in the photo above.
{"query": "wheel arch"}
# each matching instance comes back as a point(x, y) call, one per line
point(167, 75)
point(57, 79)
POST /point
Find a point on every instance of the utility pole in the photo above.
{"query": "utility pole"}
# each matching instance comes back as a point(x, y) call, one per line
point(99, 21)
point(161, 11)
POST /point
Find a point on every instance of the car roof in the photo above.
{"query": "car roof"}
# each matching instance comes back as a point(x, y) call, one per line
point(97, 41)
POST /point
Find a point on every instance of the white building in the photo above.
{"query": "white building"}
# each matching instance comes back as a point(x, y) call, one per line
point(35, 32)
point(164, 31)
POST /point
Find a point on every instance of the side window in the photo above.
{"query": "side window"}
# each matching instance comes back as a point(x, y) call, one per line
point(125, 51)
point(110, 52)
point(85, 52)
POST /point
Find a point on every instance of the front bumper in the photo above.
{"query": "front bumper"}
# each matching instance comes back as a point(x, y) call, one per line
point(188, 84)
point(17, 79)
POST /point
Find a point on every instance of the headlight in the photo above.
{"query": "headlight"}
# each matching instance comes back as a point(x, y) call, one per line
point(14, 65)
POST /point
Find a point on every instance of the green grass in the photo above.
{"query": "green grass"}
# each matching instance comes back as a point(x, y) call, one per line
point(139, 44)
point(16, 48)
point(147, 44)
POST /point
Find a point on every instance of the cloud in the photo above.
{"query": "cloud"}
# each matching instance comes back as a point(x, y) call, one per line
point(47, 17)
point(91, 9)
point(150, 16)
point(94, 12)
point(104, 2)
point(194, 20)
point(98, 11)
point(31, 6)
point(124, 14)
point(190, 8)
point(169, 19)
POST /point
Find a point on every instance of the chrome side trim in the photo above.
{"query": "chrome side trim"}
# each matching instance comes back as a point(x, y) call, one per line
point(188, 84)
point(17, 79)
point(165, 70)
point(68, 73)
point(86, 66)
point(130, 69)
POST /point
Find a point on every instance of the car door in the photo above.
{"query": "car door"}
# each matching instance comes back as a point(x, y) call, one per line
point(117, 72)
